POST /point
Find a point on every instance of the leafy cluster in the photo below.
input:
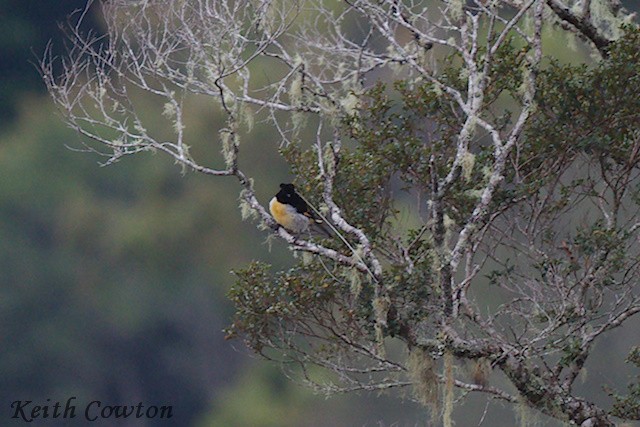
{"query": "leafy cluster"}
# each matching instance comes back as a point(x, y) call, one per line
point(628, 406)
point(590, 110)
point(263, 301)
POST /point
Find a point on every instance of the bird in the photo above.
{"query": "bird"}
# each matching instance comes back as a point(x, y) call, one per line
point(290, 210)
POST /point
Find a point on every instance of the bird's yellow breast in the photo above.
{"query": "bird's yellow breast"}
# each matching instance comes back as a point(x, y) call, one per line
point(287, 216)
point(280, 213)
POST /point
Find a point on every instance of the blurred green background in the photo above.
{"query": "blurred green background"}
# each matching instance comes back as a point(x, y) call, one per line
point(113, 279)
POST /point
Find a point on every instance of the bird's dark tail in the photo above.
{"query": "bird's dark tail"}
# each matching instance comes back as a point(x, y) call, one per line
point(320, 228)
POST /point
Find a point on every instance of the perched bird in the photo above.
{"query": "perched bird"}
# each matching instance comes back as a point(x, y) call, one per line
point(292, 212)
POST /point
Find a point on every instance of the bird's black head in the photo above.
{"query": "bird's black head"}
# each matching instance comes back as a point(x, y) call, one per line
point(286, 193)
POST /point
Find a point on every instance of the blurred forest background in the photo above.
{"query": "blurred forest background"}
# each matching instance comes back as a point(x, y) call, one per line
point(113, 279)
